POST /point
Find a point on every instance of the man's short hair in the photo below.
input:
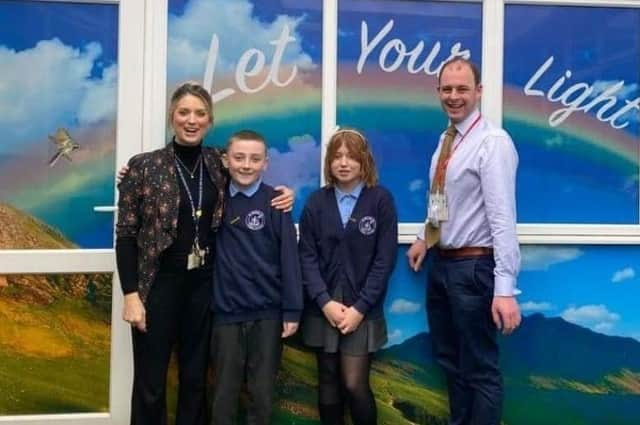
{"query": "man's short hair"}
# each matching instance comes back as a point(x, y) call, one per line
point(474, 68)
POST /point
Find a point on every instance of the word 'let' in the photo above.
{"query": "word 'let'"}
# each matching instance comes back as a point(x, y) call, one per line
point(243, 70)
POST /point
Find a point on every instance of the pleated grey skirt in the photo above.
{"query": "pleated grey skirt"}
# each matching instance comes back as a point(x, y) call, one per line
point(368, 338)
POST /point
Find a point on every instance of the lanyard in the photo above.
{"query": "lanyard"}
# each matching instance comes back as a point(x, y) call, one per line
point(196, 213)
point(441, 169)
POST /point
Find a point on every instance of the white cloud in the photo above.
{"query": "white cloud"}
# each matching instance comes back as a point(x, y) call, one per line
point(624, 274)
point(603, 327)
point(190, 35)
point(50, 86)
point(626, 91)
point(100, 102)
point(535, 307)
point(395, 336)
point(416, 185)
point(554, 141)
point(296, 168)
point(596, 317)
point(543, 257)
point(403, 306)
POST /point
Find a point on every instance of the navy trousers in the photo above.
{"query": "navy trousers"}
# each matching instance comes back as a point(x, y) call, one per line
point(459, 297)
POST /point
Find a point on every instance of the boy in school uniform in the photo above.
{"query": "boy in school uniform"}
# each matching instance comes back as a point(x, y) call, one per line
point(257, 290)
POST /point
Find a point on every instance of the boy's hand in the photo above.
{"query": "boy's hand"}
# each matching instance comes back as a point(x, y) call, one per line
point(351, 321)
point(334, 312)
point(289, 328)
point(121, 173)
point(285, 200)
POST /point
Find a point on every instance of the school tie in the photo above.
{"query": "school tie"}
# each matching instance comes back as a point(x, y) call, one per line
point(432, 233)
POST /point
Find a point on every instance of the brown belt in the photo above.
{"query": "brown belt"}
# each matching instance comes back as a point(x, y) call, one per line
point(467, 251)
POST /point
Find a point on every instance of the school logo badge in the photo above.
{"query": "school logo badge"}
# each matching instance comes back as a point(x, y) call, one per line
point(254, 220)
point(367, 225)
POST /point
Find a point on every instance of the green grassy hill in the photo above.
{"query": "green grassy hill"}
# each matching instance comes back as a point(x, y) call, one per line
point(55, 332)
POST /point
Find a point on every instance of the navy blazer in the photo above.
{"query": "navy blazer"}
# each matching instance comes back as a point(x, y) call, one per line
point(364, 251)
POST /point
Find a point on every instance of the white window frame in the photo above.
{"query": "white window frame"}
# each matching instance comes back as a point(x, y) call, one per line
point(129, 137)
point(493, 49)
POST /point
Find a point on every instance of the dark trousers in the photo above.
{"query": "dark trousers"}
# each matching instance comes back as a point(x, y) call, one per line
point(177, 314)
point(242, 351)
point(459, 298)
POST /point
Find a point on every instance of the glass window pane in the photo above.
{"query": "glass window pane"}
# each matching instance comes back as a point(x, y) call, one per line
point(571, 103)
point(266, 64)
point(389, 53)
point(54, 343)
point(58, 120)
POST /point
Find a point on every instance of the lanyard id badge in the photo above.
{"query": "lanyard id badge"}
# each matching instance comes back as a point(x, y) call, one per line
point(438, 209)
point(196, 257)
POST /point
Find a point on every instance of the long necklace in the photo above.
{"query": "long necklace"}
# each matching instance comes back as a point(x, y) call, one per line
point(191, 173)
point(196, 257)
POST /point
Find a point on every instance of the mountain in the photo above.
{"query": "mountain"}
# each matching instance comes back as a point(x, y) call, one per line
point(19, 230)
point(553, 347)
point(549, 353)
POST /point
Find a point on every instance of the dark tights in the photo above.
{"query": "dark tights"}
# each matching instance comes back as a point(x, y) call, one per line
point(340, 377)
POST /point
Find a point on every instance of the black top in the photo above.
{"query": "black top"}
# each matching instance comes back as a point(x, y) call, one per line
point(175, 257)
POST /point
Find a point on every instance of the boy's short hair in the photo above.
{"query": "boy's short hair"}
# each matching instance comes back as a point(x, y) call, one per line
point(358, 148)
point(246, 135)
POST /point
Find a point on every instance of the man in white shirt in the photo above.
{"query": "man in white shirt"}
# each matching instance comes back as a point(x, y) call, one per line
point(471, 223)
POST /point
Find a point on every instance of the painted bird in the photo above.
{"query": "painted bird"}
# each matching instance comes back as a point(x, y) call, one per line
point(65, 145)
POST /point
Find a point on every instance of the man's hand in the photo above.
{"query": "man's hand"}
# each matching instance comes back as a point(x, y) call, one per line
point(289, 328)
point(416, 254)
point(285, 200)
point(351, 321)
point(506, 314)
point(134, 312)
point(334, 312)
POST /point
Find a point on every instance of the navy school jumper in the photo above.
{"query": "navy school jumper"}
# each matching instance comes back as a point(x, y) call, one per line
point(257, 272)
point(362, 254)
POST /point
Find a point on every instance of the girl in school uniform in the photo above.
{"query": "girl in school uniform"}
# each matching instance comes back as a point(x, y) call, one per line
point(348, 245)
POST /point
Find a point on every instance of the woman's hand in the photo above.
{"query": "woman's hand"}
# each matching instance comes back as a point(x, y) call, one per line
point(334, 312)
point(285, 200)
point(121, 173)
point(351, 321)
point(134, 312)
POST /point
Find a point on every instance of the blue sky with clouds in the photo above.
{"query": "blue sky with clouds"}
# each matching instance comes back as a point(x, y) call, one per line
point(59, 64)
point(599, 48)
point(596, 286)
point(429, 22)
point(74, 24)
point(240, 25)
